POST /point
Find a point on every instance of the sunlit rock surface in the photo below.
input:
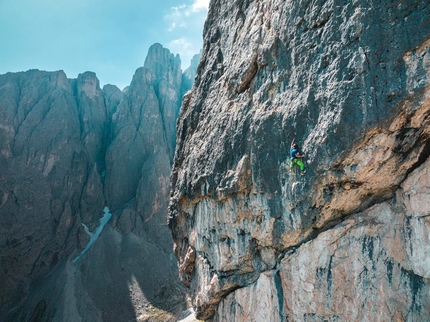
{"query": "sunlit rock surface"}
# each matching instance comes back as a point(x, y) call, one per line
point(373, 265)
point(349, 241)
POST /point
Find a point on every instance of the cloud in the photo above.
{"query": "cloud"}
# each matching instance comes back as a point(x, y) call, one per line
point(200, 5)
point(180, 43)
point(184, 26)
point(185, 48)
point(179, 15)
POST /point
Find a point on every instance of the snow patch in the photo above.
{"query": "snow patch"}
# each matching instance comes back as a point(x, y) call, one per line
point(95, 235)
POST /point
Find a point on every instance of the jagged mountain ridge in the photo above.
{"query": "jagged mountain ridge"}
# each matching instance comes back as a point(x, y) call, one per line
point(349, 81)
point(68, 148)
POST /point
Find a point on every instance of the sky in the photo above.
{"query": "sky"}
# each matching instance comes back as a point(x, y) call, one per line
point(108, 37)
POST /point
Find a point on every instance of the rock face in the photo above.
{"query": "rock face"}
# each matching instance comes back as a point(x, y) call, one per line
point(48, 177)
point(190, 73)
point(138, 160)
point(68, 148)
point(347, 242)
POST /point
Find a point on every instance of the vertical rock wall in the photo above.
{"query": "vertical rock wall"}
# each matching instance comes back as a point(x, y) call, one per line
point(138, 160)
point(48, 178)
point(350, 81)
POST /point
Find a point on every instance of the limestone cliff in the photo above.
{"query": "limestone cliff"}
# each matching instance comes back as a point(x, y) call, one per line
point(138, 159)
point(68, 148)
point(350, 80)
point(190, 73)
point(48, 177)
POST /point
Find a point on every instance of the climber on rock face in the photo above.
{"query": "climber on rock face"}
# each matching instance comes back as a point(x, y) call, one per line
point(296, 158)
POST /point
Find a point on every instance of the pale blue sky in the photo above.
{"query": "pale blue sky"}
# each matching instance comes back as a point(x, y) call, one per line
point(108, 37)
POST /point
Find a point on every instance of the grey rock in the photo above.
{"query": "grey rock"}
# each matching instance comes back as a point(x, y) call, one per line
point(67, 149)
point(92, 114)
point(45, 166)
point(370, 264)
point(119, 279)
point(350, 82)
point(167, 81)
point(138, 160)
point(190, 73)
point(113, 96)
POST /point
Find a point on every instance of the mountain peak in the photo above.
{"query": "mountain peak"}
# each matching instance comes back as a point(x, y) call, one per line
point(162, 62)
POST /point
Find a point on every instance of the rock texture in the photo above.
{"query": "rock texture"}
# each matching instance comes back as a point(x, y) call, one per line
point(351, 82)
point(138, 160)
point(190, 73)
point(48, 178)
point(68, 148)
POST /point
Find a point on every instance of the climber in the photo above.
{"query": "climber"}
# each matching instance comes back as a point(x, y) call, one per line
point(296, 158)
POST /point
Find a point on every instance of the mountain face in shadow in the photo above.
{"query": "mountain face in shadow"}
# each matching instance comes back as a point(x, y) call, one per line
point(67, 149)
point(349, 239)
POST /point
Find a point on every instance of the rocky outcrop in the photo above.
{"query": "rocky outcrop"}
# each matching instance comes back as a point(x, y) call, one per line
point(48, 178)
point(138, 160)
point(190, 73)
point(69, 148)
point(350, 82)
point(372, 265)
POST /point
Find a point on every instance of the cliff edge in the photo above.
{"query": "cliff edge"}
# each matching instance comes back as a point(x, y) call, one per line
point(349, 241)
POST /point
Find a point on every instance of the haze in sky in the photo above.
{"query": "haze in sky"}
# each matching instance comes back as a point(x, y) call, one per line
point(108, 37)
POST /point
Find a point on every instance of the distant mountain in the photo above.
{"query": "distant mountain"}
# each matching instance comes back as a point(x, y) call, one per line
point(67, 149)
